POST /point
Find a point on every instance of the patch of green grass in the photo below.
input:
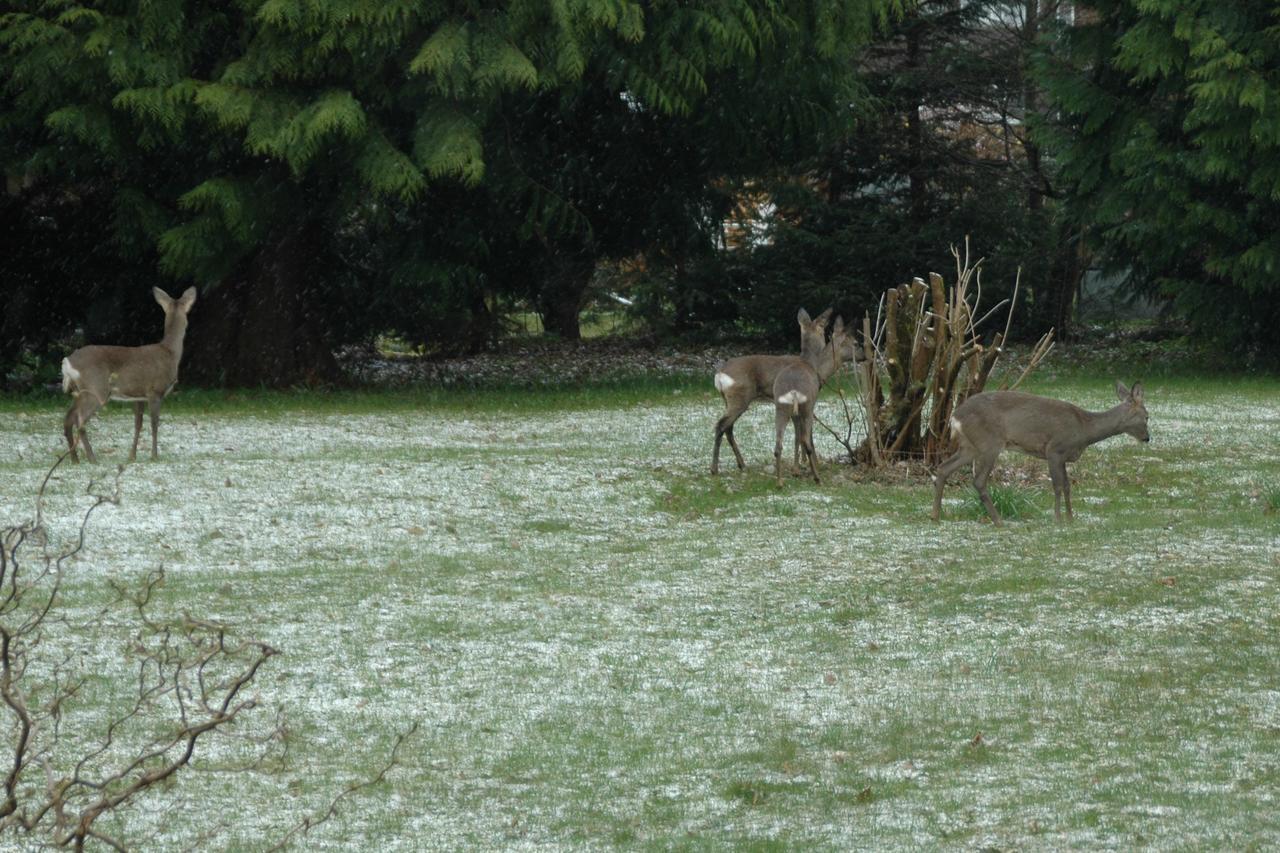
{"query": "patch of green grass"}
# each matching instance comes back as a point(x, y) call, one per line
point(730, 493)
point(607, 393)
point(1271, 499)
point(757, 792)
point(604, 645)
point(1014, 503)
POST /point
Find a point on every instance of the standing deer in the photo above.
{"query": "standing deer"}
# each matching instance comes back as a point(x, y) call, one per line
point(795, 391)
point(1059, 432)
point(140, 375)
point(743, 380)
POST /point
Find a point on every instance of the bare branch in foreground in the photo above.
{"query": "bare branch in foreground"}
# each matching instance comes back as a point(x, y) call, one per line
point(308, 823)
point(191, 681)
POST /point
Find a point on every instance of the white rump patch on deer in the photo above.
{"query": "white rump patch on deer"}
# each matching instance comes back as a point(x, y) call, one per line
point(955, 426)
point(793, 398)
point(724, 382)
point(69, 375)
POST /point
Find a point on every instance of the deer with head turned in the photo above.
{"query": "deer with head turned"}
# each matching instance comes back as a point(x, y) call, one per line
point(139, 375)
point(795, 391)
point(987, 423)
point(743, 380)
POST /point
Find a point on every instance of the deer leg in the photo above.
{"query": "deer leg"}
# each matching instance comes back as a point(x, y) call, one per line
point(88, 448)
point(798, 443)
point(980, 475)
point(69, 431)
point(137, 429)
point(962, 457)
point(715, 453)
point(797, 424)
point(1056, 479)
point(807, 422)
point(74, 425)
point(154, 406)
point(1066, 491)
point(724, 429)
point(780, 428)
point(733, 445)
point(1061, 484)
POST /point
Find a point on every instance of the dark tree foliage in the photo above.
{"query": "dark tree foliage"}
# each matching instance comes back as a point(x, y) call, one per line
point(936, 152)
point(1168, 134)
point(320, 167)
point(60, 272)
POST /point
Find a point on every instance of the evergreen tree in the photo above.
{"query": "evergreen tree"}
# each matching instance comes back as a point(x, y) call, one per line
point(250, 144)
point(1169, 140)
point(936, 151)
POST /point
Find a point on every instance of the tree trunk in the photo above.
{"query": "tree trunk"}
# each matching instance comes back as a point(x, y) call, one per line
point(1031, 107)
point(919, 190)
point(563, 293)
point(1070, 269)
point(259, 327)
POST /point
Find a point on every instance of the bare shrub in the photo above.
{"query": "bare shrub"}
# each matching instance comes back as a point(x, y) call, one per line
point(923, 357)
point(190, 681)
point(102, 713)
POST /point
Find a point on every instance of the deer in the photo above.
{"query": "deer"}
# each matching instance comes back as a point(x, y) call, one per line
point(795, 391)
point(139, 375)
point(743, 380)
point(1054, 430)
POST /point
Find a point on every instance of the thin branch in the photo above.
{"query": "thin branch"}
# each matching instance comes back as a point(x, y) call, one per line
point(307, 824)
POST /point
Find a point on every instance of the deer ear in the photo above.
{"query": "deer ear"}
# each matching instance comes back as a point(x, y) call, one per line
point(802, 317)
point(165, 300)
point(188, 299)
point(839, 327)
point(1136, 392)
point(824, 317)
point(1122, 392)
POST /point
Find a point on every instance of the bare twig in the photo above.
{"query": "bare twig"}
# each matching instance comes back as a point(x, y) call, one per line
point(927, 358)
point(189, 684)
point(310, 822)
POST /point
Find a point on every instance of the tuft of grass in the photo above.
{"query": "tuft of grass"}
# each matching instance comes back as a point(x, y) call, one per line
point(758, 792)
point(1012, 502)
point(731, 493)
point(1271, 499)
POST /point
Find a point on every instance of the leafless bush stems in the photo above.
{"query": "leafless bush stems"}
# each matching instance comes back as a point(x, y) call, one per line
point(924, 357)
point(85, 741)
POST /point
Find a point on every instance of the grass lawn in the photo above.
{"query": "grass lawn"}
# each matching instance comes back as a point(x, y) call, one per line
point(603, 645)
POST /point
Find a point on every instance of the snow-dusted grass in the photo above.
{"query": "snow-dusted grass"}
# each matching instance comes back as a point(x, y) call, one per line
point(603, 645)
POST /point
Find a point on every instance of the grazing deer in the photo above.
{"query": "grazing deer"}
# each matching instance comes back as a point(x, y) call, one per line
point(985, 424)
point(140, 375)
point(743, 380)
point(795, 391)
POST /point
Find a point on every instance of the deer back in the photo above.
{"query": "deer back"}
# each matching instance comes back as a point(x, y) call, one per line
point(996, 419)
point(751, 376)
point(121, 373)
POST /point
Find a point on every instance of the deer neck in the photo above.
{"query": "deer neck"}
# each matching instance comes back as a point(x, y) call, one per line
point(175, 329)
point(1103, 425)
point(826, 363)
point(812, 350)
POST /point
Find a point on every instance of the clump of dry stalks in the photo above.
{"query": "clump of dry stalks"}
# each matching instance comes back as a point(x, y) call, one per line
point(924, 357)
